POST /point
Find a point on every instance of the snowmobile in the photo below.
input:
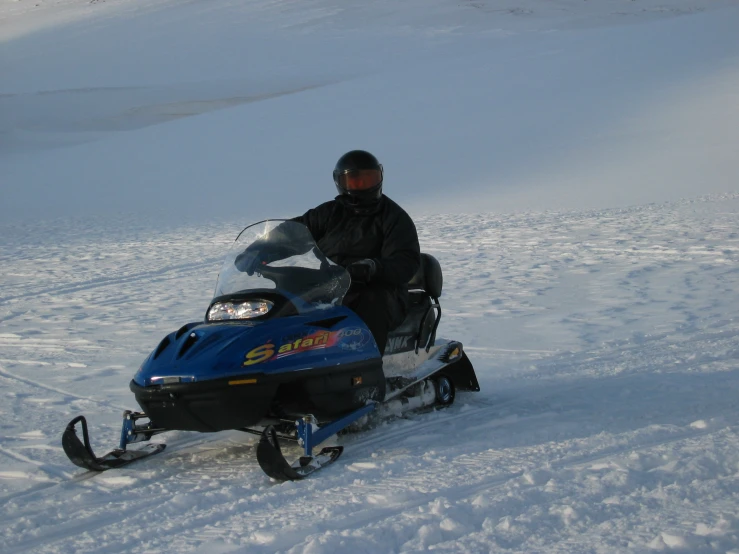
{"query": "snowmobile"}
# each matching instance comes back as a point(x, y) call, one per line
point(279, 356)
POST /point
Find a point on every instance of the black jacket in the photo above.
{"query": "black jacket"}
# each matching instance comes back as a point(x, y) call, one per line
point(386, 234)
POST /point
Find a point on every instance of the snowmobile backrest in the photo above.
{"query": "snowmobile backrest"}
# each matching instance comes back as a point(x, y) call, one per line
point(428, 277)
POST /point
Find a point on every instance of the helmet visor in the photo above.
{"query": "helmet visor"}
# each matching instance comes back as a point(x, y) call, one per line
point(359, 179)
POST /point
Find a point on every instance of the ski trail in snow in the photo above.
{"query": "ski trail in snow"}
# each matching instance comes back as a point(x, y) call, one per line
point(177, 445)
point(380, 514)
point(52, 471)
point(64, 393)
point(72, 528)
point(148, 277)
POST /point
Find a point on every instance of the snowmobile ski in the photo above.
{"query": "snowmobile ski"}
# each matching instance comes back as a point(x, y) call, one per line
point(80, 453)
point(274, 464)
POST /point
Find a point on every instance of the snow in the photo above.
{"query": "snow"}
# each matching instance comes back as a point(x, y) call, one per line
point(564, 107)
point(589, 244)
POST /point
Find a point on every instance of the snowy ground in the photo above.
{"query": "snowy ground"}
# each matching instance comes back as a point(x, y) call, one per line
point(606, 344)
point(579, 187)
point(204, 108)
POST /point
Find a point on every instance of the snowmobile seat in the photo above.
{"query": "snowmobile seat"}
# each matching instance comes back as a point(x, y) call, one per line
point(428, 277)
point(418, 329)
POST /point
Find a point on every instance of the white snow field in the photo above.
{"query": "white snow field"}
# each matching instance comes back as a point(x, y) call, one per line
point(571, 164)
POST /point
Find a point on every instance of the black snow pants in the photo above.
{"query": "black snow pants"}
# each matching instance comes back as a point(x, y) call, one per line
point(379, 309)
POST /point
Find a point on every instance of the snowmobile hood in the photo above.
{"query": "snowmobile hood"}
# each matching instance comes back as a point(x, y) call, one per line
point(276, 309)
point(205, 351)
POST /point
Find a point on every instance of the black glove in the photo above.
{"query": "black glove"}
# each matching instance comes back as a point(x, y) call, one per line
point(362, 271)
point(248, 260)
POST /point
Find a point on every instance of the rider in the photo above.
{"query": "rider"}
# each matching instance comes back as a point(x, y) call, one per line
point(373, 238)
point(368, 234)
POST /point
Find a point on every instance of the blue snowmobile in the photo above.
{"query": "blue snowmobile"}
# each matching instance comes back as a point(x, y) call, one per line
point(279, 356)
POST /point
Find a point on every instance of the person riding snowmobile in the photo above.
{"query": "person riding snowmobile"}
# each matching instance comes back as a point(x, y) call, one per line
point(371, 236)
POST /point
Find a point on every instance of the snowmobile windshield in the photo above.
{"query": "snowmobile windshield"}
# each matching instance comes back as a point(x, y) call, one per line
point(282, 255)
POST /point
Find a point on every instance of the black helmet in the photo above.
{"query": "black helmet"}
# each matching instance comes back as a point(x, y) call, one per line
point(358, 177)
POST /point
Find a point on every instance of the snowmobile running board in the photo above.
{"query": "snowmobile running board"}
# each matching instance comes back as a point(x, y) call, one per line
point(273, 462)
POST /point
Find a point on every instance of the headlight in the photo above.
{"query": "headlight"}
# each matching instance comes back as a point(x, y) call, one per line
point(248, 309)
point(170, 380)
